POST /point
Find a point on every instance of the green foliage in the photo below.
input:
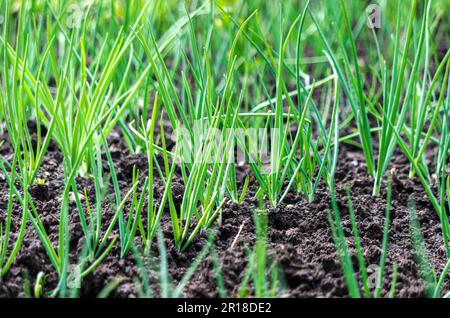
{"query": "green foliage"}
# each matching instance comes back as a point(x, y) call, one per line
point(309, 76)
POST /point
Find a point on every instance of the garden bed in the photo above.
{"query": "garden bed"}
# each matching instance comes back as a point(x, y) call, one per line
point(224, 148)
point(299, 236)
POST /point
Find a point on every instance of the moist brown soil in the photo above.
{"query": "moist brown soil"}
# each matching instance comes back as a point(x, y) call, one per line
point(299, 235)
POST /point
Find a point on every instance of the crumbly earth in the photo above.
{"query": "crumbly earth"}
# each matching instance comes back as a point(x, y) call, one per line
point(299, 240)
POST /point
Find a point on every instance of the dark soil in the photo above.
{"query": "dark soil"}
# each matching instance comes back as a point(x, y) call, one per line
point(299, 234)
